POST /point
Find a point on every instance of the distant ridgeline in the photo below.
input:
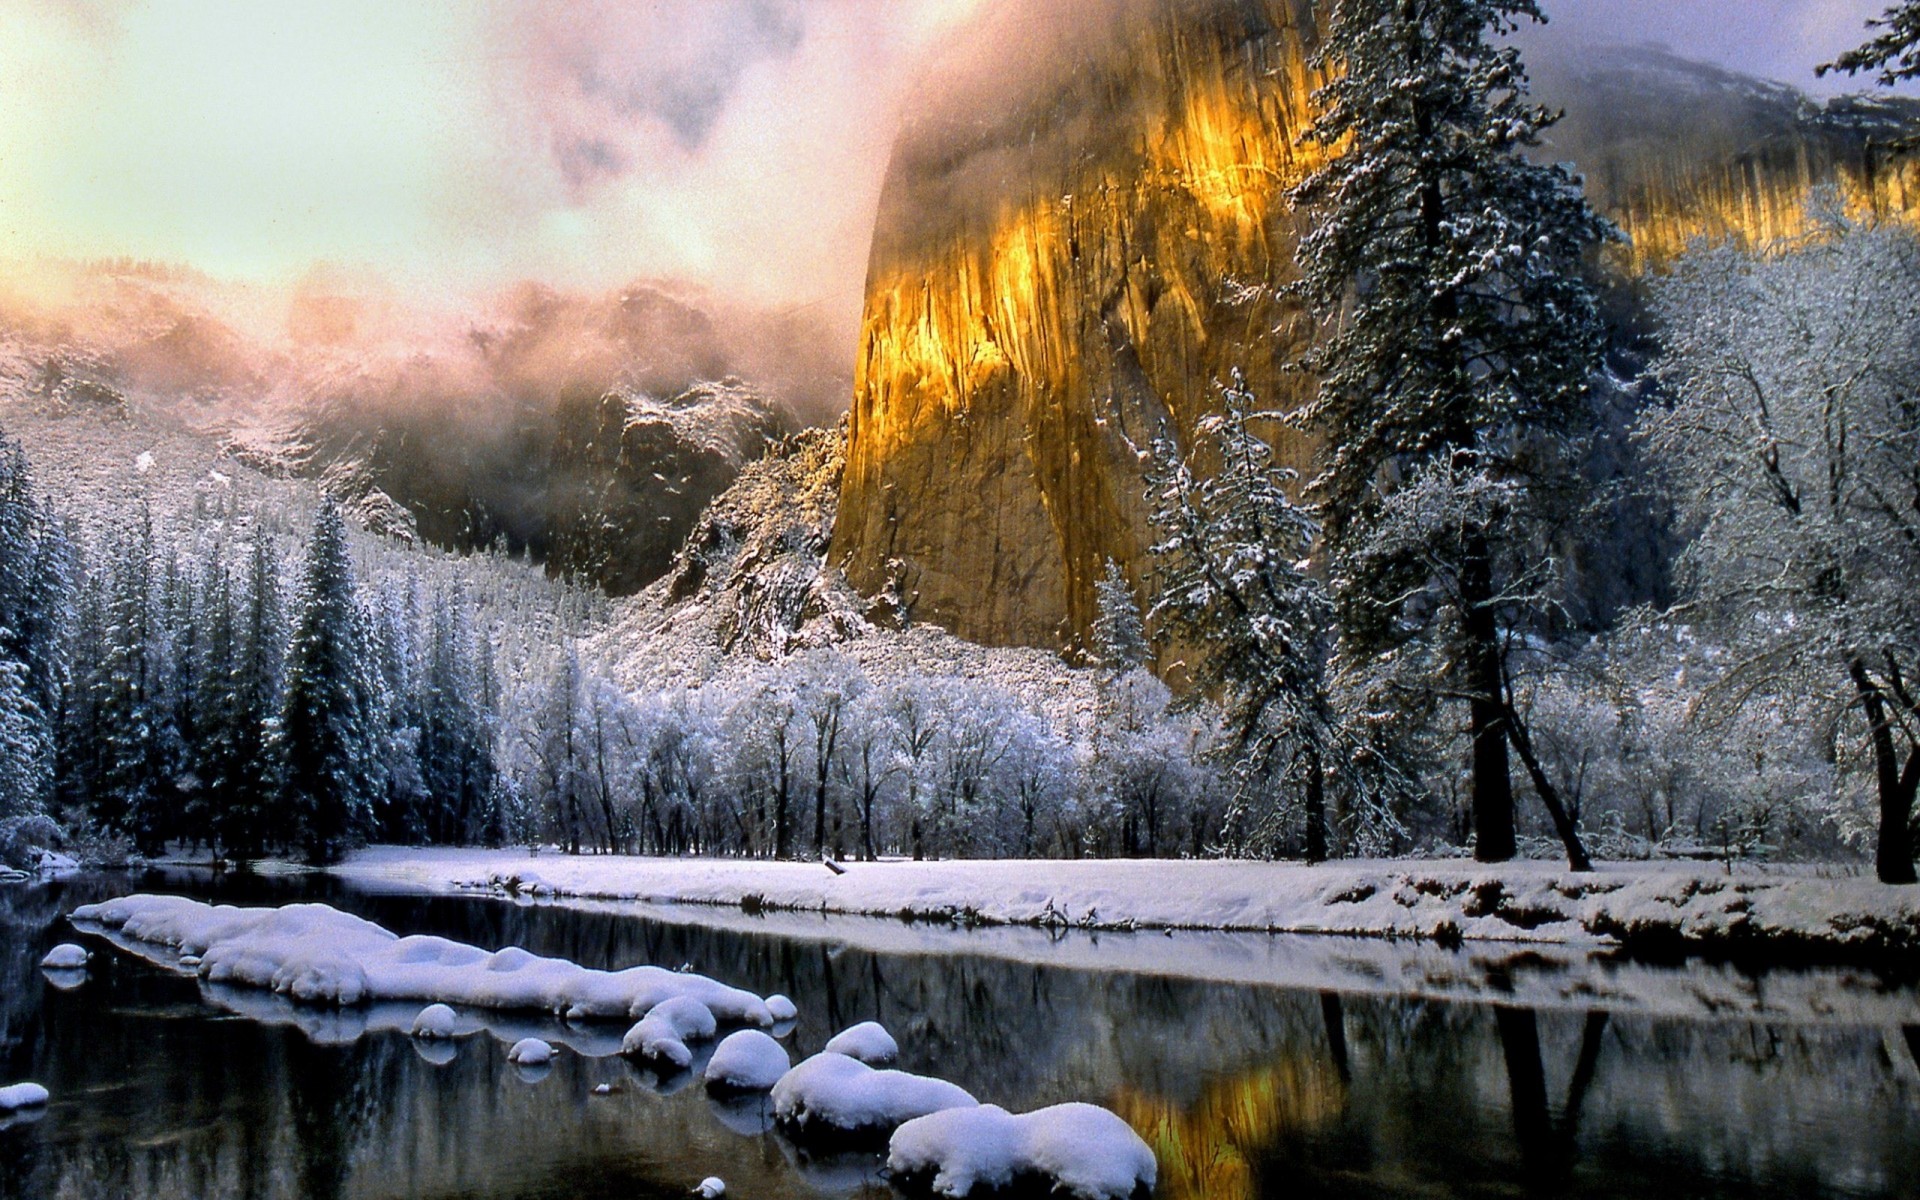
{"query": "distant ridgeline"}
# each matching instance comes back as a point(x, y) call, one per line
point(1085, 228)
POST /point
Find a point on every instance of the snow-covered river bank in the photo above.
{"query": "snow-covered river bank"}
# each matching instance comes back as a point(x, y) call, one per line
point(1245, 1061)
point(1790, 911)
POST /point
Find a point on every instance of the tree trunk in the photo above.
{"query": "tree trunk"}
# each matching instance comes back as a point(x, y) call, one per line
point(1316, 809)
point(1549, 795)
point(1893, 856)
point(1492, 779)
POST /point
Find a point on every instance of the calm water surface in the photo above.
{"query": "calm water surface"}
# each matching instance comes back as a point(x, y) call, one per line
point(165, 1088)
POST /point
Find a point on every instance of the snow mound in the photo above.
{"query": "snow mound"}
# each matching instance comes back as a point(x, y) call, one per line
point(747, 1061)
point(22, 1095)
point(530, 1052)
point(664, 1032)
point(316, 953)
point(868, 1041)
point(1074, 1150)
point(781, 1008)
point(711, 1188)
point(434, 1021)
point(846, 1096)
point(66, 957)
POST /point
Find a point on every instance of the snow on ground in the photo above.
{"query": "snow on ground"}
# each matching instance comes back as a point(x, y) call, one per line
point(833, 1095)
point(66, 957)
point(530, 1052)
point(1077, 1150)
point(662, 1035)
point(317, 954)
point(747, 1061)
point(868, 1041)
point(1665, 906)
point(22, 1095)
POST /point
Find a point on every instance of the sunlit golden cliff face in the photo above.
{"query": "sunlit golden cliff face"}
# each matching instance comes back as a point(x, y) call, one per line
point(1082, 236)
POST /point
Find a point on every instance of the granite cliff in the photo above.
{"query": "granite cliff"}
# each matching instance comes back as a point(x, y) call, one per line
point(1080, 235)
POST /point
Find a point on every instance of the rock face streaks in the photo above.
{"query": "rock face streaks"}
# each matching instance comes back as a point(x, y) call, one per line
point(1084, 228)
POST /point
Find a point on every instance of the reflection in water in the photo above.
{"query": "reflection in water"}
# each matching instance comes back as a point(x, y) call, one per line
point(164, 1087)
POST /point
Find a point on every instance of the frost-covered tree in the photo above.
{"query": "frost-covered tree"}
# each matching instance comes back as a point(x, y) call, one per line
point(1792, 446)
point(36, 572)
point(1892, 55)
point(26, 747)
point(132, 710)
point(1233, 589)
point(1119, 633)
point(332, 747)
point(1461, 334)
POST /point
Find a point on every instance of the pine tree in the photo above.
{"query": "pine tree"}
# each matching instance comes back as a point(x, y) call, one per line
point(253, 817)
point(1461, 338)
point(35, 575)
point(1892, 54)
point(130, 695)
point(1233, 587)
point(330, 743)
point(1119, 634)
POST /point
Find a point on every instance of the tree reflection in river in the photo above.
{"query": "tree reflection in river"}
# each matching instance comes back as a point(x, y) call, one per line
point(164, 1088)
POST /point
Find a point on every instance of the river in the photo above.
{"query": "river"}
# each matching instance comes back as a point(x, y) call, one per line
point(1246, 1084)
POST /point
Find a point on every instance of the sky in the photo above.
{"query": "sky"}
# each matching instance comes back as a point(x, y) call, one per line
point(460, 144)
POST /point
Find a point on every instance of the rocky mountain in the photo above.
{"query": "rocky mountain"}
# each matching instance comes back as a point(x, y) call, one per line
point(588, 431)
point(1084, 227)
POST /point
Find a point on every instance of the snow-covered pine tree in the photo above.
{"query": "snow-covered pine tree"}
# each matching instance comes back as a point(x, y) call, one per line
point(1232, 587)
point(331, 746)
point(220, 737)
point(35, 572)
point(253, 818)
point(129, 694)
point(1892, 54)
point(456, 753)
point(26, 750)
point(1461, 335)
point(1119, 633)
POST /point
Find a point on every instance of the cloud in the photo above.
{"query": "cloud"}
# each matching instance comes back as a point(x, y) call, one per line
point(1782, 40)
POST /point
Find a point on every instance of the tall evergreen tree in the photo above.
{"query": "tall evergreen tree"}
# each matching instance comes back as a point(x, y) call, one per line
point(130, 695)
point(330, 743)
point(253, 818)
point(1461, 336)
point(1233, 588)
point(35, 575)
point(1119, 633)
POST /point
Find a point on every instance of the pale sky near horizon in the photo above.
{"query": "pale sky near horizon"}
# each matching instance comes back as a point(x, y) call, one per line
point(468, 142)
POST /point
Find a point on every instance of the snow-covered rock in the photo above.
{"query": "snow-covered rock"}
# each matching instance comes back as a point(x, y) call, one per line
point(781, 1008)
point(435, 1021)
point(315, 953)
point(747, 1061)
point(530, 1052)
point(1074, 1150)
point(868, 1041)
point(663, 1034)
point(711, 1188)
point(831, 1093)
point(22, 1095)
point(66, 957)
point(52, 862)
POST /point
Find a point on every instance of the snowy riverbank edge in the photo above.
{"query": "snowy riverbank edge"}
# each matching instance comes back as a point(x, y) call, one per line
point(1654, 908)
